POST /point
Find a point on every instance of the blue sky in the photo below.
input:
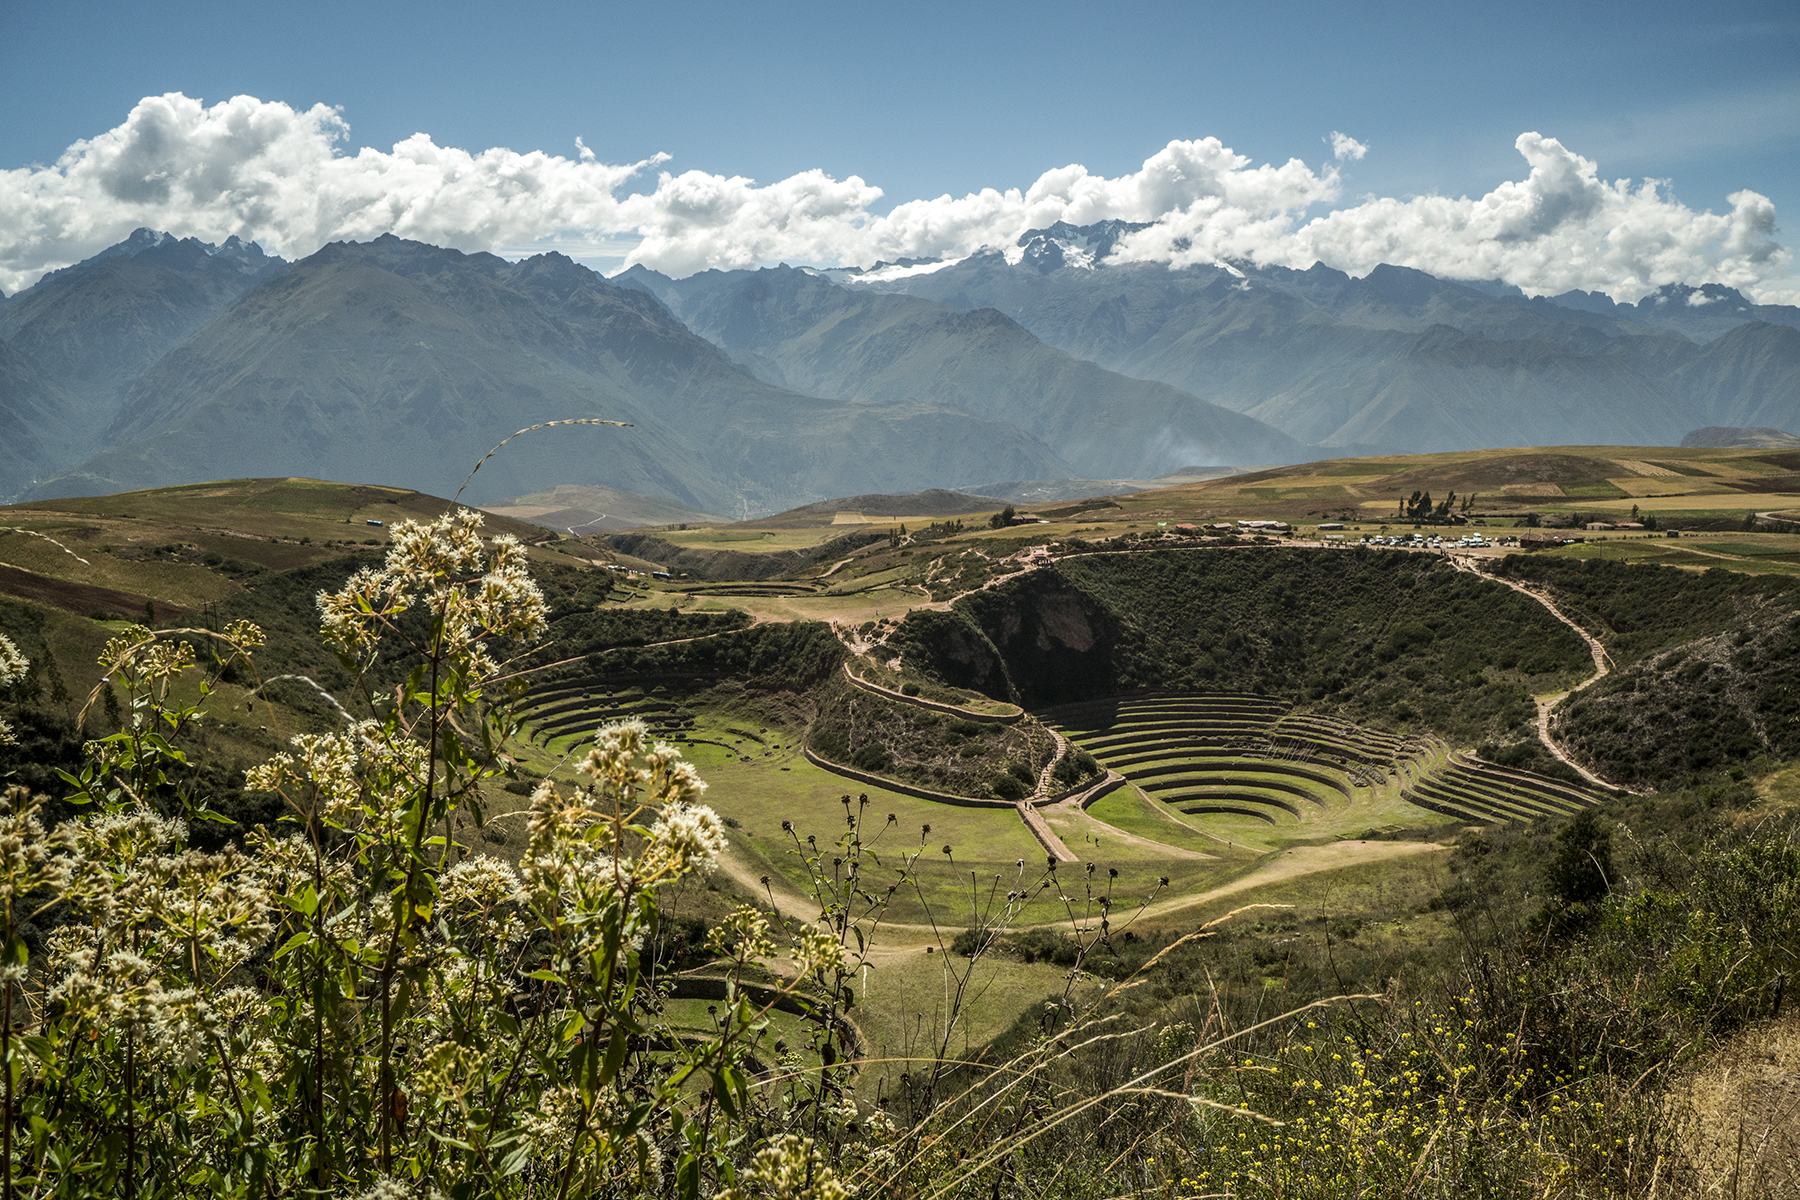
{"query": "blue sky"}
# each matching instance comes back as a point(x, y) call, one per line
point(926, 99)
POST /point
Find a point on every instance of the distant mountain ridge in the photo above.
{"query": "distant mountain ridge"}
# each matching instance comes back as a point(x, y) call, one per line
point(400, 362)
point(164, 360)
point(1371, 363)
point(800, 330)
point(94, 327)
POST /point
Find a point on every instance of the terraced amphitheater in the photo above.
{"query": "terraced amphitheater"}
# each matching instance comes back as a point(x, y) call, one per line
point(1238, 767)
point(1471, 790)
point(577, 709)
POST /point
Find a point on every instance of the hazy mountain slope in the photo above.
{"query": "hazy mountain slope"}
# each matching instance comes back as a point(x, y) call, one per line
point(797, 329)
point(1748, 377)
point(35, 431)
point(95, 326)
point(403, 363)
point(1340, 361)
point(1702, 313)
point(1727, 437)
point(1450, 390)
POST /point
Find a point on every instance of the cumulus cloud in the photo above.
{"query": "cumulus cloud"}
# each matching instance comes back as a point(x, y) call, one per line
point(1562, 227)
point(287, 177)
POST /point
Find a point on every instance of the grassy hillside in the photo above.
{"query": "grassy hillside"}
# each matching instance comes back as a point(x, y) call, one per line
point(1395, 640)
point(1542, 959)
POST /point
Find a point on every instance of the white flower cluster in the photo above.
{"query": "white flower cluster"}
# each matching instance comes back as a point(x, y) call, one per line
point(484, 896)
point(324, 767)
point(791, 1168)
point(389, 1188)
point(13, 666)
point(686, 838)
point(157, 911)
point(30, 859)
point(478, 593)
point(482, 882)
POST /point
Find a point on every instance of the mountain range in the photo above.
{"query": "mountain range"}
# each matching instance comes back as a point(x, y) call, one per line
point(1398, 360)
point(165, 360)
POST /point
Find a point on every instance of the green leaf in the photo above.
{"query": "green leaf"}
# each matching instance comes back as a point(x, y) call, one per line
point(515, 1162)
point(615, 1055)
point(292, 944)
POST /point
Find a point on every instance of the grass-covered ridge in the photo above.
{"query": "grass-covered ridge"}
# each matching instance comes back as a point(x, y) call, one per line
point(1395, 641)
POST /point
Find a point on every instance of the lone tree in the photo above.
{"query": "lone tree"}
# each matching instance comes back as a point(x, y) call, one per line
point(1578, 874)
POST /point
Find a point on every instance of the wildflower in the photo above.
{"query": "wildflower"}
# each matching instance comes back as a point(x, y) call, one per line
point(246, 635)
point(482, 881)
point(744, 932)
point(791, 1168)
point(324, 764)
point(687, 837)
point(29, 859)
point(13, 664)
point(816, 950)
point(438, 563)
point(386, 1188)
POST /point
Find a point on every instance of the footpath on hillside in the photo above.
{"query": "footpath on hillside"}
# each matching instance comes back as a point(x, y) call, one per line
point(1547, 702)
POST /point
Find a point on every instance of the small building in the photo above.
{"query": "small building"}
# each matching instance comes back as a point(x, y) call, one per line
point(376, 524)
point(1595, 526)
point(1673, 533)
point(1630, 525)
point(1331, 525)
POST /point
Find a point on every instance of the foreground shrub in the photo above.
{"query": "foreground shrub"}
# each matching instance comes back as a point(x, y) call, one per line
point(352, 1002)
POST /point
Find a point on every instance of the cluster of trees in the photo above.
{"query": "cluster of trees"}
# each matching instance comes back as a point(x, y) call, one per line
point(1419, 509)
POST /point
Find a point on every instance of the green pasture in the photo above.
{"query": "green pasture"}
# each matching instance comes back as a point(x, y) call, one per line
point(905, 1004)
point(1383, 883)
point(753, 541)
point(1130, 810)
point(778, 785)
point(1754, 553)
point(852, 608)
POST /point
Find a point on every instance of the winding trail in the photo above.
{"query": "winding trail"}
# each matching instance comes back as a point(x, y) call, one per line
point(1545, 703)
point(1062, 748)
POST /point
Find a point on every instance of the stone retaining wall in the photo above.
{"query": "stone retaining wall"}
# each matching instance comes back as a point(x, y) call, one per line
point(935, 706)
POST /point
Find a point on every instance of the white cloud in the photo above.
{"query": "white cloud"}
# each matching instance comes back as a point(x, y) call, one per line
point(1562, 227)
point(283, 176)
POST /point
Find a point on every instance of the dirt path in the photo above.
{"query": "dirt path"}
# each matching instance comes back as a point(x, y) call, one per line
point(1046, 836)
point(1132, 839)
point(1283, 866)
point(1545, 703)
point(1301, 860)
point(1062, 748)
point(954, 710)
point(750, 879)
